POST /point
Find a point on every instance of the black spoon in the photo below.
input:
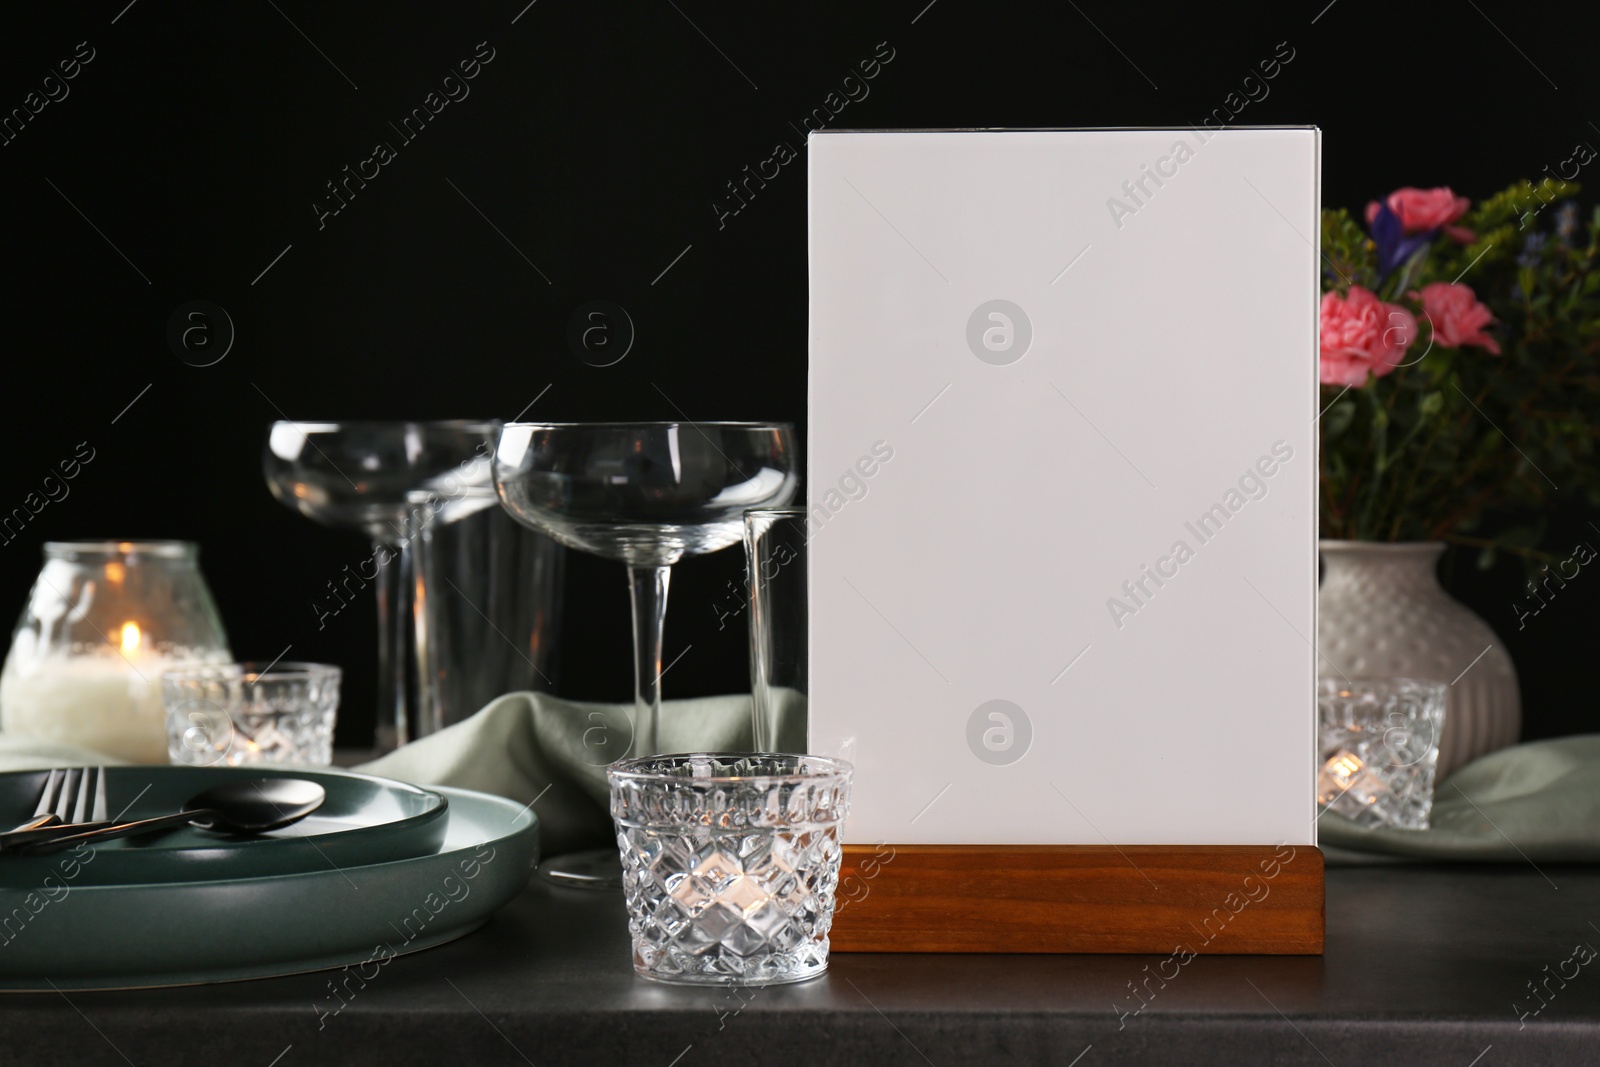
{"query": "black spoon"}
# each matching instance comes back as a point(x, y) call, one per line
point(251, 807)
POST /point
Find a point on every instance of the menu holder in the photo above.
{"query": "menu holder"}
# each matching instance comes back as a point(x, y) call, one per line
point(1062, 573)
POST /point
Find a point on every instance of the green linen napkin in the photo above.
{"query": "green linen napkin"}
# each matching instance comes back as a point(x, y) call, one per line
point(531, 747)
point(1534, 802)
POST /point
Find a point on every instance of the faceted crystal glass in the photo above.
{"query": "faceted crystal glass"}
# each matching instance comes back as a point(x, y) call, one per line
point(730, 863)
point(228, 715)
point(1379, 741)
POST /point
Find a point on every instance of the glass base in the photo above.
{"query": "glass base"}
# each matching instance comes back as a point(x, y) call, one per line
point(599, 868)
point(780, 972)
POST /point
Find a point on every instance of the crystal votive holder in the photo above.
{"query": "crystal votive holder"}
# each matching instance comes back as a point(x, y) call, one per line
point(729, 864)
point(236, 713)
point(1379, 745)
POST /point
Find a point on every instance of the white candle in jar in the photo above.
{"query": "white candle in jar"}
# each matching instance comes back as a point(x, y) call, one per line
point(108, 702)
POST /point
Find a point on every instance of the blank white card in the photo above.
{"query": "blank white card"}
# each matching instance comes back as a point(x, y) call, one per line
point(1062, 481)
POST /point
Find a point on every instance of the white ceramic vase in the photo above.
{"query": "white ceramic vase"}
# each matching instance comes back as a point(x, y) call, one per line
point(1382, 613)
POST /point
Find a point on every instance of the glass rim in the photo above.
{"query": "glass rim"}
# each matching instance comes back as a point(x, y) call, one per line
point(789, 512)
point(334, 425)
point(158, 549)
point(1375, 681)
point(649, 425)
point(253, 672)
point(623, 769)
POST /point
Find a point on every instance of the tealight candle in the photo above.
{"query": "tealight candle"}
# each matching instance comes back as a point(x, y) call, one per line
point(109, 702)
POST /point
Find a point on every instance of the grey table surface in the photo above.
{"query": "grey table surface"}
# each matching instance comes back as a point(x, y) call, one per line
point(1424, 966)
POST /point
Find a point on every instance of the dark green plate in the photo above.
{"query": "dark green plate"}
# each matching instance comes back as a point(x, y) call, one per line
point(364, 820)
point(79, 936)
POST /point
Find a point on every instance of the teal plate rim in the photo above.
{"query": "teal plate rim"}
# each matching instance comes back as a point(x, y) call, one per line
point(245, 850)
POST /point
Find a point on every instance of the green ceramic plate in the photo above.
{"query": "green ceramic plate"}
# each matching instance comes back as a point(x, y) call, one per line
point(75, 936)
point(364, 820)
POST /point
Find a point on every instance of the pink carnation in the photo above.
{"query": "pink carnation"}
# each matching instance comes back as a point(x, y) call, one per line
point(1458, 317)
point(1360, 333)
point(1424, 209)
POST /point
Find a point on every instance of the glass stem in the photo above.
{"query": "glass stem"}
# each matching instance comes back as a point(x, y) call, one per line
point(649, 588)
point(393, 730)
point(429, 715)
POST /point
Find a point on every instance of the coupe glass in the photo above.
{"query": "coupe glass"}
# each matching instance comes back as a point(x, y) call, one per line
point(645, 494)
point(368, 476)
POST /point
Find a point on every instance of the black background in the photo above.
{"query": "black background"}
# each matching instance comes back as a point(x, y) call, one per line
point(596, 142)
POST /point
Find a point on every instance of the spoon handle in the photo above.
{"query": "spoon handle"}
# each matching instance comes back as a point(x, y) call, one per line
point(13, 840)
point(37, 823)
point(126, 829)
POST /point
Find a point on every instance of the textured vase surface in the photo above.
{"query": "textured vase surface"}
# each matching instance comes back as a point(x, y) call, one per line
point(1381, 613)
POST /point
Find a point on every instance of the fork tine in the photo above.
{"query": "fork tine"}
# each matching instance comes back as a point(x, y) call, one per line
point(58, 800)
point(99, 813)
point(48, 796)
point(80, 808)
point(69, 793)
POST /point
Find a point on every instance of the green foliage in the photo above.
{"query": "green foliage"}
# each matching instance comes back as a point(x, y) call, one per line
point(1452, 435)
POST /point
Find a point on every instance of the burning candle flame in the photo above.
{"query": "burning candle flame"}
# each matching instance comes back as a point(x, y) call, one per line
point(130, 638)
point(1344, 767)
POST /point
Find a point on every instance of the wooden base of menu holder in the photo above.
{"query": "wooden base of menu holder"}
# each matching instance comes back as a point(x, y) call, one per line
point(1160, 899)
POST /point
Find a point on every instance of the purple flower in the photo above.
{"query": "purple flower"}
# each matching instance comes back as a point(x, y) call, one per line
point(1532, 245)
point(1566, 220)
point(1395, 246)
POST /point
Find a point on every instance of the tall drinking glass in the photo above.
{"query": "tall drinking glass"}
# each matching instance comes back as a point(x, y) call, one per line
point(645, 494)
point(487, 591)
point(364, 475)
point(775, 558)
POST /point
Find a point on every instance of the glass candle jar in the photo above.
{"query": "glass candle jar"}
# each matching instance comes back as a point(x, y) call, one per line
point(104, 619)
point(729, 863)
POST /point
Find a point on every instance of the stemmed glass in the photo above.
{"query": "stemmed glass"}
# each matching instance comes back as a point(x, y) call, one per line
point(370, 476)
point(645, 494)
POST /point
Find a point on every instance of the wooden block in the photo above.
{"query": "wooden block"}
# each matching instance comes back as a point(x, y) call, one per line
point(1080, 898)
